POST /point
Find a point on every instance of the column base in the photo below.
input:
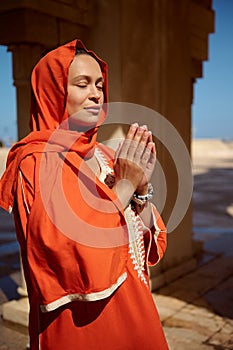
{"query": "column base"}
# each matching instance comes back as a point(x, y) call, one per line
point(16, 311)
point(172, 274)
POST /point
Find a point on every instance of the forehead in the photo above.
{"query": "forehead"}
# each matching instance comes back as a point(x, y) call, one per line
point(84, 65)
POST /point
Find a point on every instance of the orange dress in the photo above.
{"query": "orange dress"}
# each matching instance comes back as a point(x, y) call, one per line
point(61, 317)
point(85, 258)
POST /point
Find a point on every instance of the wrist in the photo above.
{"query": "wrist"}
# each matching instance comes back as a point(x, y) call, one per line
point(142, 190)
point(143, 198)
point(124, 191)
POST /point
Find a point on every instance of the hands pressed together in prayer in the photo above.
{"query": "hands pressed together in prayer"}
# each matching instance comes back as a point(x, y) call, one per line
point(134, 163)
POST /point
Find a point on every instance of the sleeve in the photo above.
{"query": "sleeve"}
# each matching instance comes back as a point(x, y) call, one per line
point(25, 191)
point(60, 269)
point(155, 239)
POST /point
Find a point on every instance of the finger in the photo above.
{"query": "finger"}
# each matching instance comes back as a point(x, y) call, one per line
point(152, 159)
point(139, 149)
point(150, 138)
point(127, 150)
point(146, 137)
point(138, 144)
point(153, 148)
point(123, 151)
point(132, 130)
point(145, 156)
point(132, 150)
point(139, 133)
point(133, 138)
point(118, 150)
point(135, 135)
point(149, 155)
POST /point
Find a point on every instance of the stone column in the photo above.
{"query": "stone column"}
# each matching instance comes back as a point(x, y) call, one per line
point(150, 52)
point(24, 58)
point(22, 289)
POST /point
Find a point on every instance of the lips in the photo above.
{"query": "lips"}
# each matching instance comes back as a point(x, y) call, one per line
point(93, 109)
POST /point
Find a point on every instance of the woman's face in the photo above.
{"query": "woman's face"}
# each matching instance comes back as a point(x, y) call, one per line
point(85, 92)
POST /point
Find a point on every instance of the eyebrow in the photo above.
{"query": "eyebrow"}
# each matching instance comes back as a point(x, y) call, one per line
point(87, 77)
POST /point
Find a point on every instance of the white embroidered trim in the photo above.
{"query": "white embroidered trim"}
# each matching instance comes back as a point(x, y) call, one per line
point(155, 236)
point(24, 197)
point(157, 229)
point(105, 168)
point(136, 243)
point(84, 297)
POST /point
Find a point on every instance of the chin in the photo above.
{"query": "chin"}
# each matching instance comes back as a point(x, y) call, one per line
point(83, 121)
point(79, 126)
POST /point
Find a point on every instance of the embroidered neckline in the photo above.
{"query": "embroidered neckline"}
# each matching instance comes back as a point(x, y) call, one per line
point(134, 224)
point(104, 167)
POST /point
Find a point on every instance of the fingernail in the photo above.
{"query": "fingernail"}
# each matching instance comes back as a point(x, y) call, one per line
point(134, 125)
point(147, 134)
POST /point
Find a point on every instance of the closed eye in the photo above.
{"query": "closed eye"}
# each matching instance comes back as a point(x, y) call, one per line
point(100, 87)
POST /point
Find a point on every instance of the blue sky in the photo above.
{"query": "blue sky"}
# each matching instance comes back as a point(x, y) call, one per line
point(7, 97)
point(213, 94)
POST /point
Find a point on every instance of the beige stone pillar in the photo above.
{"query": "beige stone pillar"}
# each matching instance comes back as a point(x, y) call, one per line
point(22, 289)
point(17, 311)
point(24, 58)
point(150, 49)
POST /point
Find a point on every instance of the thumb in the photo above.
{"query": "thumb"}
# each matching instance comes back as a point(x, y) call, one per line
point(118, 150)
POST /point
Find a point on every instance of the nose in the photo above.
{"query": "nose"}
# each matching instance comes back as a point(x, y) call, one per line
point(95, 94)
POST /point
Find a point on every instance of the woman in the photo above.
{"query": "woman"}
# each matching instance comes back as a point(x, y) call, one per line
point(83, 219)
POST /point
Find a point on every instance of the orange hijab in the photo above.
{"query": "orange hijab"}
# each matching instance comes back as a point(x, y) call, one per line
point(49, 113)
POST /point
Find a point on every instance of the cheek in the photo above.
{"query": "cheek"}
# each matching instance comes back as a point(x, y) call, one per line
point(75, 100)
